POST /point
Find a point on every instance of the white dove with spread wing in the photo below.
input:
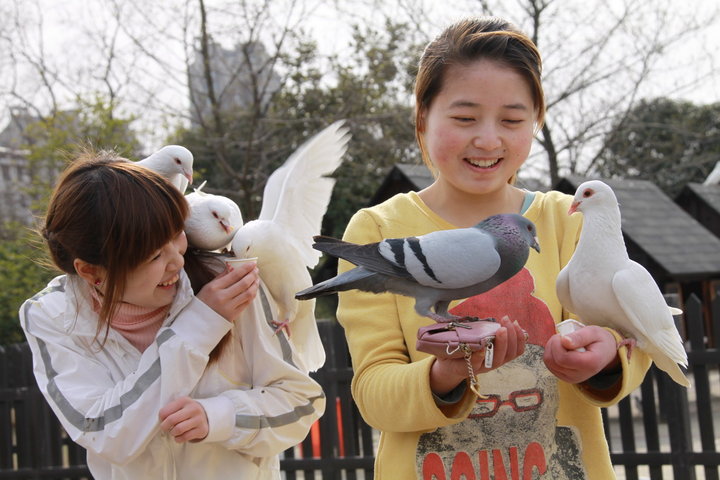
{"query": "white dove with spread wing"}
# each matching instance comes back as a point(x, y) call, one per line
point(173, 162)
point(295, 199)
point(213, 220)
point(602, 286)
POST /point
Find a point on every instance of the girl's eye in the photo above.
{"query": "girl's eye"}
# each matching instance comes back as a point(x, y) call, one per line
point(513, 121)
point(463, 119)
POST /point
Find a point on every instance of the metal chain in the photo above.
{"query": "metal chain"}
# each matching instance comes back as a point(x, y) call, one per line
point(474, 385)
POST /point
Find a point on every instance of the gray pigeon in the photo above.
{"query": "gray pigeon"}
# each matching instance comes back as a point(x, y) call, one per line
point(435, 268)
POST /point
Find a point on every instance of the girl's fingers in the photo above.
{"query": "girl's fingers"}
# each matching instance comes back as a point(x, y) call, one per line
point(184, 419)
point(232, 274)
point(500, 347)
point(241, 285)
point(190, 429)
point(230, 292)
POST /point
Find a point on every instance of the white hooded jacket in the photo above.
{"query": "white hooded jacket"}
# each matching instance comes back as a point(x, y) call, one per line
point(258, 397)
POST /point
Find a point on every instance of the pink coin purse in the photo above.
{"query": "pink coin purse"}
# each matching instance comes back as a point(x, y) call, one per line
point(457, 339)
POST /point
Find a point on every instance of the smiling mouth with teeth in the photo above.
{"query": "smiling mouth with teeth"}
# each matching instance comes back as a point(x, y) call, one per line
point(170, 282)
point(483, 163)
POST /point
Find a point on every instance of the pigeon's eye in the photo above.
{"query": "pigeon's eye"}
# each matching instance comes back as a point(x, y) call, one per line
point(177, 160)
point(588, 193)
point(215, 215)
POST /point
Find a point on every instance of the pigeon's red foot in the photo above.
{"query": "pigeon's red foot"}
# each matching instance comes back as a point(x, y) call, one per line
point(630, 344)
point(279, 326)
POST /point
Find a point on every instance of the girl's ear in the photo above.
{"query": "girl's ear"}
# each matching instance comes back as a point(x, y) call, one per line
point(93, 274)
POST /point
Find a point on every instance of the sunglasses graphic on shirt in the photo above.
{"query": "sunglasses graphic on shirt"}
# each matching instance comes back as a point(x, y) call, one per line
point(519, 401)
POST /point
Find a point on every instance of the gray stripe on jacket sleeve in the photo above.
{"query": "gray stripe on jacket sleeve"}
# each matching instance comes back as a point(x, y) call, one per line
point(257, 422)
point(284, 343)
point(76, 418)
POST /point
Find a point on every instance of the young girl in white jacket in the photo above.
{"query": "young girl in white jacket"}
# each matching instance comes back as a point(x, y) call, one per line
point(157, 382)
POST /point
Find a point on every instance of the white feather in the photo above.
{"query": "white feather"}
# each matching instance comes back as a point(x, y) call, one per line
point(295, 199)
point(213, 220)
point(714, 177)
point(173, 162)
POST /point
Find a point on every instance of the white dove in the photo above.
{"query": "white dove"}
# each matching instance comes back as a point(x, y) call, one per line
point(295, 199)
point(172, 162)
point(602, 286)
point(213, 220)
point(713, 177)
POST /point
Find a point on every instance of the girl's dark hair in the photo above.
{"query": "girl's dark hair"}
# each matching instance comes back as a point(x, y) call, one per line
point(110, 212)
point(465, 42)
point(201, 267)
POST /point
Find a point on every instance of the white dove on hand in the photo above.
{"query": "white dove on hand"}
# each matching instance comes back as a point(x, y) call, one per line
point(295, 199)
point(435, 268)
point(213, 220)
point(602, 286)
point(173, 162)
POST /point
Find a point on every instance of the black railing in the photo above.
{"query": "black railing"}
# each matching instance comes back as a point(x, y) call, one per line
point(661, 431)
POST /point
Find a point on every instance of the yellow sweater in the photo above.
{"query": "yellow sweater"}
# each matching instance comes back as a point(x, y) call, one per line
point(531, 425)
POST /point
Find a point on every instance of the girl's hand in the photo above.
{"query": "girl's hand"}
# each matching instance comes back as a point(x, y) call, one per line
point(509, 344)
point(231, 291)
point(185, 419)
point(565, 362)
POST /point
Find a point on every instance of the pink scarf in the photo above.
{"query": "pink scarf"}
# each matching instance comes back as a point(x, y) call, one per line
point(139, 325)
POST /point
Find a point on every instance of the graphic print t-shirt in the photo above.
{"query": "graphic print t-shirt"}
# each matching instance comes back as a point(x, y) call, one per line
point(512, 433)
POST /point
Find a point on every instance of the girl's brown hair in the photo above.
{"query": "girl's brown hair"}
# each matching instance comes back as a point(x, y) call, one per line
point(110, 212)
point(465, 42)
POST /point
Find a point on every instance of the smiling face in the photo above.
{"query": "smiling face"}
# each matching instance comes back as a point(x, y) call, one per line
point(153, 283)
point(478, 130)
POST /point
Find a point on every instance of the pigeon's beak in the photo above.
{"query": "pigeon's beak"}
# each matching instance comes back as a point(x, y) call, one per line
point(228, 228)
point(573, 208)
point(535, 245)
point(188, 175)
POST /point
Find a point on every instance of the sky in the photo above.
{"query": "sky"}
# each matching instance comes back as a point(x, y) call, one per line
point(66, 25)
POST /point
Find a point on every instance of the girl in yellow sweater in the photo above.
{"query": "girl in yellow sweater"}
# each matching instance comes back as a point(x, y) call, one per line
point(479, 102)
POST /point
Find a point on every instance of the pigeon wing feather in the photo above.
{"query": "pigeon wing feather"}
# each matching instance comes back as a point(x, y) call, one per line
point(562, 286)
point(367, 255)
point(449, 259)
point(297, 194)
point(646, 309)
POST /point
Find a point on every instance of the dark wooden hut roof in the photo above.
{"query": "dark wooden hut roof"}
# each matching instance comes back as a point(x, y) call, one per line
point(402, 177)
point(702, 202)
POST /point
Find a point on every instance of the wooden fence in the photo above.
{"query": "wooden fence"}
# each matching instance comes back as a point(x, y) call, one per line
point(661, 431)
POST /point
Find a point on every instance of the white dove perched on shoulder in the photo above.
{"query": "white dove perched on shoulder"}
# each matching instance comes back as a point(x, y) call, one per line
point(213, 220)
point(435, 268)
point(602, 286)
point(295, 199)
point(173, 162)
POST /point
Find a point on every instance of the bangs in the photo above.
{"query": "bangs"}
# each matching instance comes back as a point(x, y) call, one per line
point(147, 213)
